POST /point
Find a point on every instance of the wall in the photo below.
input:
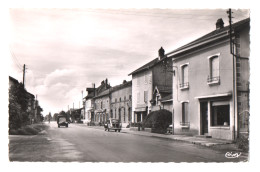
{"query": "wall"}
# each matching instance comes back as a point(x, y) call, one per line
point(143, 86)
point(198, 71)
point(126, 102)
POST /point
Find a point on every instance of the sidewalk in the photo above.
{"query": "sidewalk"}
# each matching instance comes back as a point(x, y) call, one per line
point(209, 142)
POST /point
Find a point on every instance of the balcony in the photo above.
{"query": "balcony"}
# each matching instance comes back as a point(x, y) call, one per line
point(184, 86)
point(213, 80)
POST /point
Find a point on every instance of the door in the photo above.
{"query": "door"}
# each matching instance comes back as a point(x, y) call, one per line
point(204, 117)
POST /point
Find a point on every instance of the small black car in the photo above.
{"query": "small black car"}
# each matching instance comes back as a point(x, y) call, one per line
point(62, 121)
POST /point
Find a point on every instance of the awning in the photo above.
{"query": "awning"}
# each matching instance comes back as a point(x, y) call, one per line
point(214, 96)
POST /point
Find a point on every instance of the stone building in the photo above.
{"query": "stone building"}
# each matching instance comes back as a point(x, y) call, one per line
point(121, 102)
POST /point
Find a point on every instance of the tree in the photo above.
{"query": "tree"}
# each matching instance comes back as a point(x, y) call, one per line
point(18, 105)
point(55, 116)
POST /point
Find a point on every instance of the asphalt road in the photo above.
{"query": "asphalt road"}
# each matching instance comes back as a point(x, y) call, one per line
point(84, 144)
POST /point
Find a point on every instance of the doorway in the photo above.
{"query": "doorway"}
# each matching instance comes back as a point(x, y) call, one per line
point(204, 117)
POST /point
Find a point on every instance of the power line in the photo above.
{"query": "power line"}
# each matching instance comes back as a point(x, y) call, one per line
point(15, 60)
point(146, 14)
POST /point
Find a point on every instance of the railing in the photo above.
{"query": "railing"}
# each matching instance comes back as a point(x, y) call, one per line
point(184, 85)
point(215, 79)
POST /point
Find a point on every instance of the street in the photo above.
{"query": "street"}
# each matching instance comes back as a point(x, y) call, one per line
point(80, 143)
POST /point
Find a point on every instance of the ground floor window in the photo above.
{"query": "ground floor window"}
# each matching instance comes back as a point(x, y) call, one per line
point(220, 114)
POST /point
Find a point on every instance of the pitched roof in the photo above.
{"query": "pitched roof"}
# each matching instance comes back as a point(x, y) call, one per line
point(121, 86)
point(212, 34)
point(146, 66)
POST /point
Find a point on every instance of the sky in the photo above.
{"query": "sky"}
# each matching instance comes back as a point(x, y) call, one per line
point(66, 50)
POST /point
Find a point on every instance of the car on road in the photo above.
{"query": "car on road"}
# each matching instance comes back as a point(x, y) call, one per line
point(62, 121)
point(113, 124)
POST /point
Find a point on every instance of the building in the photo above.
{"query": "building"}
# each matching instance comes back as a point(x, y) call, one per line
point(88, 116)
point(102, 103)
point(145, 80)
point(211, 85)
point(121, 102)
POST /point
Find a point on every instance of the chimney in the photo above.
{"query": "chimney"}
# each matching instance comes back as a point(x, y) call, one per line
point(106, 83)
point(161, 53)
point(219, 24)
point(94, 89)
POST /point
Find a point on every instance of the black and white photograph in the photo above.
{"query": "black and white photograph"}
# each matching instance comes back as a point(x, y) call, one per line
point(129, 85)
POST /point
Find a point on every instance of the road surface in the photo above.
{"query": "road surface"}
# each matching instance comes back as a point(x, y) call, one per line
point(85, 144)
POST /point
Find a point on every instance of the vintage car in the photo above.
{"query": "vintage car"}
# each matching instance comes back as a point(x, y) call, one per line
point(113, 124)
point(62, 121)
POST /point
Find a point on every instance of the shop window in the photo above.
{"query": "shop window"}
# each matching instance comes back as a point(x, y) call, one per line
point(220, 114)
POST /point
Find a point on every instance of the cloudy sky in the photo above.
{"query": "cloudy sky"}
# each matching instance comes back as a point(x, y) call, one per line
point(66, 50)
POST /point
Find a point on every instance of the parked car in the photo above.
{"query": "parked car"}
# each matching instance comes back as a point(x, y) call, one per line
point(62, 121)
point(169, 129)
point(113, 124)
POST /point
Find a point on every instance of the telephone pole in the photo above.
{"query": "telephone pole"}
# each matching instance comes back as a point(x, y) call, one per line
point(230, 29)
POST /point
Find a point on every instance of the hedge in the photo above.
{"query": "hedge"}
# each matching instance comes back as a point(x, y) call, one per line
point(159, 121)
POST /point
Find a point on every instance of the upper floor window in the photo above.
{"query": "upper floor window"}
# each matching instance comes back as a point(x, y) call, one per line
point(213, 76)
point(146, 79)
point(145, 96)
point(184, 76)
point(138, 97)
point(138, 81)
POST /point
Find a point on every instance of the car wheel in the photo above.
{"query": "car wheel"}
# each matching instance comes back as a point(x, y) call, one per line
point(67, 125)
point(115, 130)
point(119, 130)
point(58, 126)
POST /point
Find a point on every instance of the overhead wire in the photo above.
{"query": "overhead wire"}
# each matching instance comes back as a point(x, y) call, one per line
point(148, 14)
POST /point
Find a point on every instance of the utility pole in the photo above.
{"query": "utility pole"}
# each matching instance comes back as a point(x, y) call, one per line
point(234, 72)
point(23, 74)
point(230, 29)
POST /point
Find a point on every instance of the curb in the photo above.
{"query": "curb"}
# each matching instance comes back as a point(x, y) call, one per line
point(195, 142)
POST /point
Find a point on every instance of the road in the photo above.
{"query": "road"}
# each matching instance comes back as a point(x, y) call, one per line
point(85, 144)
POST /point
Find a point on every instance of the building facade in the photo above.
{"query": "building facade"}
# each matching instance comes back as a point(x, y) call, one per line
point(211, 85)
point(88, 116)
point(101, 102)
point(144, 81)
point(121, 102)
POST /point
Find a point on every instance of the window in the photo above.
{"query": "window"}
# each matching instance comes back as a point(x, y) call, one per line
point(120, 99)
point(115, 99)
point(145, 96)
point(146, 79)
point(220, 114)
point(213, 69)
point(184, 76)
point(138, 81)
point(184, 113)
point(138, 97)
point(130, 97)
point(124, 115)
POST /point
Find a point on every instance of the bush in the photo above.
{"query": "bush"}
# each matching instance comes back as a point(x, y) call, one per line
point(243, 142)
point(159, 121)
